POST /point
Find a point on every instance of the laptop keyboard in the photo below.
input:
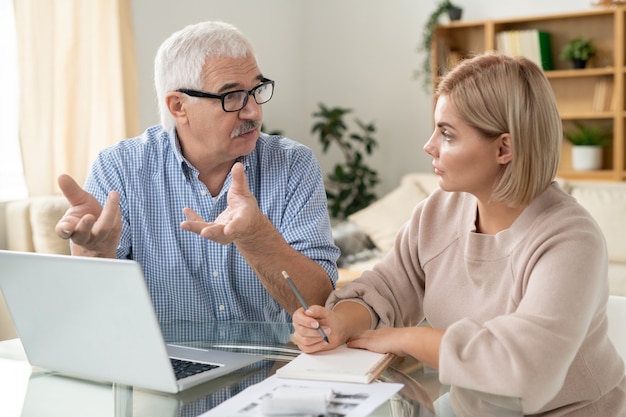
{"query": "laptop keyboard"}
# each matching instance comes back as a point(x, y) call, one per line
point(183, 369)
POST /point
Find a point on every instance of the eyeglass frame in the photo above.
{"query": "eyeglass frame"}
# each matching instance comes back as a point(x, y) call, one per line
point(252, 92)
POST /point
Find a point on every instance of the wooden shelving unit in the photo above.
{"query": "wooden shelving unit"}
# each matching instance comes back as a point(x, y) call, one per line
point(574, 89)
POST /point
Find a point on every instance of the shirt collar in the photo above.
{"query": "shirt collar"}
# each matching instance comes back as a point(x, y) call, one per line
point(175, 144)
point(187, 166)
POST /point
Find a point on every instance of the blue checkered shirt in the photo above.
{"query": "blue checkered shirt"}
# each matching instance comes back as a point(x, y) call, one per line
point(192, 278)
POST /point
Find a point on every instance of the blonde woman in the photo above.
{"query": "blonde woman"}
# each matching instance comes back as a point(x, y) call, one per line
point(508, 270)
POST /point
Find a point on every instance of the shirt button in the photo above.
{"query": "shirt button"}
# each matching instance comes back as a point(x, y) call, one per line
point(222, 308)
point(203, 192)
point(215, 274)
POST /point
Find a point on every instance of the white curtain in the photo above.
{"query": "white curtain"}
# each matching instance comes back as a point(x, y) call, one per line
point(78, 85)
point(12, 185)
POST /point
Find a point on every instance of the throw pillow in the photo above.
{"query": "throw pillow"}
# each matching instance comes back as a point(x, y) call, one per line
point(45, 212)
point(606, 203)
point(382, 219)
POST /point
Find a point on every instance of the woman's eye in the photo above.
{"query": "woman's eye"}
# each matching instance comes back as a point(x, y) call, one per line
point(446, 135)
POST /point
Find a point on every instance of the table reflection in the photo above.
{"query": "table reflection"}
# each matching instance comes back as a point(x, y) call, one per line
point(248, 334)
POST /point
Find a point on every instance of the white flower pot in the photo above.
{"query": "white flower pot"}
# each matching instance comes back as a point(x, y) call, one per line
point(586, 158)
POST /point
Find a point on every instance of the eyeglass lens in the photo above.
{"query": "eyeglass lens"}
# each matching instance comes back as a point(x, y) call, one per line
point(238, 99)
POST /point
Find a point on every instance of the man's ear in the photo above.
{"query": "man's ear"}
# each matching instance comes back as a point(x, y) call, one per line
point(176, 106)
point(505, 149)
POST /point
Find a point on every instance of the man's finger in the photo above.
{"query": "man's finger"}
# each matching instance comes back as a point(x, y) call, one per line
point(191, 215)
point(110, 215)
point(71, 190)
point(66, 226)
point(240, 182)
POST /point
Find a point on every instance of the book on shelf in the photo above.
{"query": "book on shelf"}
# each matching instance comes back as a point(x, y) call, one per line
point(342, 364)
point(533, 44)
point(603, 97)
point(609, 99)
point(454, 58)
point(443, 51)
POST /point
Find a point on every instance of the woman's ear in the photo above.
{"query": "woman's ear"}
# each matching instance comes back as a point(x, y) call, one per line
point(176, 106)
point(505, 150)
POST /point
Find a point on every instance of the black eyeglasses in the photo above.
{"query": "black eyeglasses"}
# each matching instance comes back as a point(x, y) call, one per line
point(237, 100)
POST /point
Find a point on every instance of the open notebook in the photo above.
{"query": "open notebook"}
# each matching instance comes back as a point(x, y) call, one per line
point(342, 364)
point(93, 318)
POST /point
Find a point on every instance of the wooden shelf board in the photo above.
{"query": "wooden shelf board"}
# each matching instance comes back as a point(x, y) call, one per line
point(586, 72)
point(601, 175)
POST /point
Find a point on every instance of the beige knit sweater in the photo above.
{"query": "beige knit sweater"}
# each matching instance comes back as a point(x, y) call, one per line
point(524, 310)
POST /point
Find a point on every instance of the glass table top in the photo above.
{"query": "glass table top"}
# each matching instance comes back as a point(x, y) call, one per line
point(26, 391)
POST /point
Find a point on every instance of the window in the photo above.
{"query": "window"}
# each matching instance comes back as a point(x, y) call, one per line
point(12, 184)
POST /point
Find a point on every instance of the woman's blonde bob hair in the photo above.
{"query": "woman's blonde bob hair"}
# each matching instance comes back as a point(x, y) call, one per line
point(499, 94)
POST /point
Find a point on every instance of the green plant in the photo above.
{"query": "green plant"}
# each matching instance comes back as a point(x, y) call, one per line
point(349, 187)
point(588, 135)
point(425, 72)
point(578, 48)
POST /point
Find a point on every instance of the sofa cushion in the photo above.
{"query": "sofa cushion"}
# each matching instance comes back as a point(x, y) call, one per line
point(17, 226)
point(428, 182)
point(617, 278)
point(30, 224)
point(382, 219)
point(45, 212)
point(607, 204)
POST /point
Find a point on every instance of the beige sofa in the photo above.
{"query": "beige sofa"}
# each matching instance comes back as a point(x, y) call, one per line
point(606, 201)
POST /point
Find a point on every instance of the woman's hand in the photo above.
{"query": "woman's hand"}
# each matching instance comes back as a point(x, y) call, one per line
point(306, 325)
point(347, 319)
point(384, 340)
point(421, 342)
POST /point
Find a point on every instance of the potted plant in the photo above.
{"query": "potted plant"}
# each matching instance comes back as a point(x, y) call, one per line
point(579, 51)
point(349, 187)
point(444, 7)
point(587, 142)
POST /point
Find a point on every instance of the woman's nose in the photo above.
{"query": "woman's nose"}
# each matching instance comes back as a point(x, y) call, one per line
point(429, 147)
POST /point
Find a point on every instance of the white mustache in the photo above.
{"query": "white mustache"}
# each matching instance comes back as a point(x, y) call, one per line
point(246, 127)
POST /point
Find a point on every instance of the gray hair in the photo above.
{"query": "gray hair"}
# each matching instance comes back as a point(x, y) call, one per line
point(181, 58)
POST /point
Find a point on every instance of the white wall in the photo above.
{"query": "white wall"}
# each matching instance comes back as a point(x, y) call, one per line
point(359, 54)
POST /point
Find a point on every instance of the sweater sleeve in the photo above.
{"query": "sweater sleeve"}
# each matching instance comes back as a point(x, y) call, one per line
point(393, 290)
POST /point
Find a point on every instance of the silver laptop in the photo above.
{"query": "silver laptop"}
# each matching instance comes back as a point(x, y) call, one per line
point(93, 318)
